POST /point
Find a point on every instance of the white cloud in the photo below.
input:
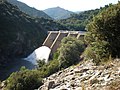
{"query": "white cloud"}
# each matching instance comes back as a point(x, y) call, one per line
point(73, 5)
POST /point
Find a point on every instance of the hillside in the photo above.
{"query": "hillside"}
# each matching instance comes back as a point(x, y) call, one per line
point(50, 25)
point(58, 13)
point(79, 21)
point(89, 64)
point(19, 33)
point(85, 76)
point(29, 10)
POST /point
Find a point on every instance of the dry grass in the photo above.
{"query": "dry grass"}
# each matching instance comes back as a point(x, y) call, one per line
point(114, 85)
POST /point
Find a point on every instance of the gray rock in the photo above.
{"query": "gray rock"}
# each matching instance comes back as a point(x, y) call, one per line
point(51, 84)
point(87, 76)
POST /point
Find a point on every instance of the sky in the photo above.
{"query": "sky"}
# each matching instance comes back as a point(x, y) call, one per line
point(71, 5)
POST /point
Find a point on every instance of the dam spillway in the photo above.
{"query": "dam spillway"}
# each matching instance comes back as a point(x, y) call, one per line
point(51, 44)
point(54, 38)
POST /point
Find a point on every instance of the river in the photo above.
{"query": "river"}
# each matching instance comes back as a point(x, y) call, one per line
point(29, 62)
point(13, 66)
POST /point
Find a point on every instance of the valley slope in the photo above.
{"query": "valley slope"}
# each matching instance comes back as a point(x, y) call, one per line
point(29, 10)
point(20, 34)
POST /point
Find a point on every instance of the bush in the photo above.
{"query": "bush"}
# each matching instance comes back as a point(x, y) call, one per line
point(70, 51)
point(24, 80)
point(98, 51)
point(103, 36)
point(40, 63)
point(49, 68)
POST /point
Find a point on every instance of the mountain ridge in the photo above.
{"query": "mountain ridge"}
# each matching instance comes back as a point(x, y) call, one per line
point(58, 13)
point(29, 10)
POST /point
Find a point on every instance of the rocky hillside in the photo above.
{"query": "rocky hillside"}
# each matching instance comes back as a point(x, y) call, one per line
point(19, 33)
point(85, 76)
point(29, 10)
point(58, 13)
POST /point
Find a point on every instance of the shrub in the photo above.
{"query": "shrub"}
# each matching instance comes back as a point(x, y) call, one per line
point(98, 51)
point(49, 68)
point(69, 51)
point(40, 63)
point(103, 36)
point(24, 80)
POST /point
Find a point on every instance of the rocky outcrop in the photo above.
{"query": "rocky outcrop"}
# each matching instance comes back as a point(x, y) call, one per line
point(85, 76)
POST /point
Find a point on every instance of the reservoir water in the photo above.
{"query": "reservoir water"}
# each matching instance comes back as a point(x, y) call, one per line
point(13, 66)
point(29, 62)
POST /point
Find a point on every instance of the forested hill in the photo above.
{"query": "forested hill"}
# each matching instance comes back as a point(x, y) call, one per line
point(50, 25)
point(19, 33)
point(79, 21)
point(29, 10)
point(58, 13)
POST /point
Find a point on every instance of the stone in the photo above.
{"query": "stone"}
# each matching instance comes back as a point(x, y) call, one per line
point(3, 84)
point(87, 76)
point(79, 88)
point(80, 70)
point(51, 84)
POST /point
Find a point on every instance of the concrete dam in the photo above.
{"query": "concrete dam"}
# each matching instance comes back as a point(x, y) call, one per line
point(51, 44)
point(54, 38)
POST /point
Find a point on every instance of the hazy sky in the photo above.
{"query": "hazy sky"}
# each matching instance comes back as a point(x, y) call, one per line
point(72, 5)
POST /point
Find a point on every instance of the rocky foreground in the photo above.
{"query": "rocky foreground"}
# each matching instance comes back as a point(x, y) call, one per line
point(85, 76)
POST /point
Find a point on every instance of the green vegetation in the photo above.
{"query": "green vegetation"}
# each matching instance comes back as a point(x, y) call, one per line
point(50, 25)
point(79, 21)
point(49, 68)
point(23, 34)
point(70, 51)
point(103, 36)
point(24, 80)
point(67, 55)
point(29, 10)
point(19, 33)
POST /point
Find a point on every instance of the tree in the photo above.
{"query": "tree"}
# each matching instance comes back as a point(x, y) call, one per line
point(104, 33)
point(70, 51)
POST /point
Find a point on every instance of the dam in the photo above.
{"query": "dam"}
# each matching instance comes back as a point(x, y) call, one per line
point(54, 38)
point(51, 44)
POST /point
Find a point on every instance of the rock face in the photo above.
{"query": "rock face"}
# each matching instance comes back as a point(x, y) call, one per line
point(85, 76)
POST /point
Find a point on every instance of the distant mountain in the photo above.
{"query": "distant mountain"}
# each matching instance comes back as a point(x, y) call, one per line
point(77, 12)
point(29, 10)
point(58, 13)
